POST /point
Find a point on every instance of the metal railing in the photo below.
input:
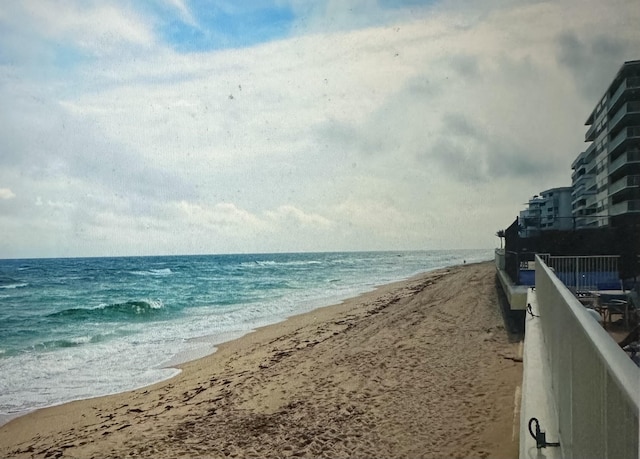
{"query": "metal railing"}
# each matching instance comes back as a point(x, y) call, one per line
point(598, 272)
point(594, 383)
point(519, 266)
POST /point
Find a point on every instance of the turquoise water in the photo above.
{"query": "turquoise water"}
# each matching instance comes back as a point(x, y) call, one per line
point(79, 328)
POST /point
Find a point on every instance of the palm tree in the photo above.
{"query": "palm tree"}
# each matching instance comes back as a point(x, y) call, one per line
point(501, 234)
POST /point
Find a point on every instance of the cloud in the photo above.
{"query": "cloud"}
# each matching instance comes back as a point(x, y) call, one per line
point(358, 125)
point(290, 216)
point(185, 14)
point(473, 155)
point(219, 217)
point(339, 15)
point(6, 193)
point(578, 54)
point(94, 27)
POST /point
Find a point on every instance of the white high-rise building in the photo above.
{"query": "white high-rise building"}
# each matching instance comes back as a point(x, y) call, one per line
point(550, 210)
point(606, 177)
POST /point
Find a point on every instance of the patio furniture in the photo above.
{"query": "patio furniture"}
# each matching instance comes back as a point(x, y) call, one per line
point(610, 302)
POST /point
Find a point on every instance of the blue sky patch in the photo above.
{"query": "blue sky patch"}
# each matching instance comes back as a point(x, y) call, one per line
point(219, 26)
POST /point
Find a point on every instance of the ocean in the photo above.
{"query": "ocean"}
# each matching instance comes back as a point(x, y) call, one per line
point(77, 328)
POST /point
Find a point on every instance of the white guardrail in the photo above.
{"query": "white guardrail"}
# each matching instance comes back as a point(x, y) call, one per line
point(585, 272)
point(595, 385)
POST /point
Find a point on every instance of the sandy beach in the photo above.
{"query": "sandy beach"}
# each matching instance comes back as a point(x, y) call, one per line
point(419, 368)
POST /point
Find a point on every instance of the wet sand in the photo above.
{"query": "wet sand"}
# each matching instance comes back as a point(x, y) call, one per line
point(419, 368)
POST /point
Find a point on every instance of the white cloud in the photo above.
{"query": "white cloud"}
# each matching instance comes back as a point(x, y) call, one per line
point(290, 215)
point(425, 131)
point(221, 217)
point(184, 11)
point(6, 193)
point(97, 27)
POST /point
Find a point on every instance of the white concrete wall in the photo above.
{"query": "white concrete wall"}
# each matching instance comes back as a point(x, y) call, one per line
point(516, 294)
point(499, 257)
point(538, 400)
point(596, 387)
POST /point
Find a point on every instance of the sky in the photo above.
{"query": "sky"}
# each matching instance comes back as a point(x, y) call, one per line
point(220, 126)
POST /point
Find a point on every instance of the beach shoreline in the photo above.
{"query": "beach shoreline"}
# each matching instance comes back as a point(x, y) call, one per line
point(121, 330)
point(208, 344)
point(254, 384)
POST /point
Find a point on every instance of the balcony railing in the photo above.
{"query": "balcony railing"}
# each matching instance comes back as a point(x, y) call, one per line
point(591, 133)
point(631, 132)
point(631, 156)
point(579, 161)
point(588, 152)
point(629, 181)
point(577, 193)
point(633, 82)
point(576, 173)
point(584, 180)
point(629, 107)
point(625, 207)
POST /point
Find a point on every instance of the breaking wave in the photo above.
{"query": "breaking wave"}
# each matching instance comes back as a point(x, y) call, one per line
point(141, 309)
point(8, 282)
point(153, 272)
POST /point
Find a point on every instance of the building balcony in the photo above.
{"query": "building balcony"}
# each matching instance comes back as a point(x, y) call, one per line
point(577, 173)
point(588, 170)
point(629, 83)
point(588, 152)
point(582, 194)
point(579, 161)
point(628, 133)
point(578, 191)
point(578, 212)
point(630, 181)
point(584, 180)
point(625, 207)
point(591, 133)
point(584, 211)
point(581, 223)
point(589, 211)
point(631, 156)
point(591, 222)
point(627, 109)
